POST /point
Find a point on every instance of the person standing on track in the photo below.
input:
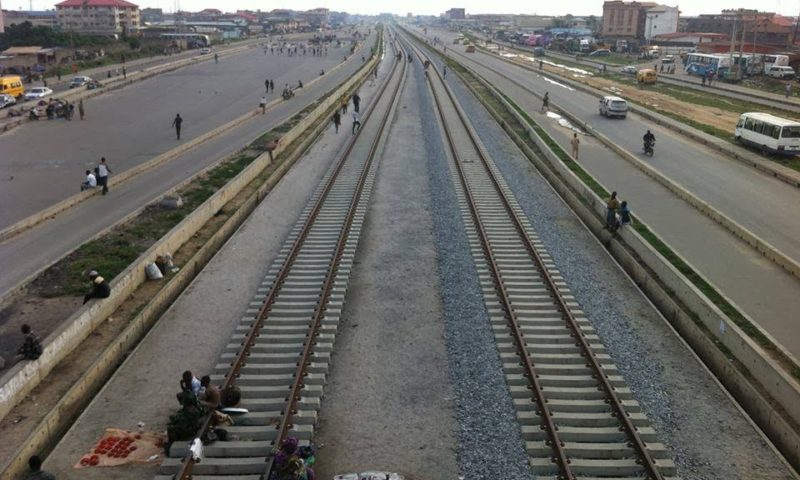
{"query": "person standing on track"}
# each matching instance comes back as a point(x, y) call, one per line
point(177, 124)
point(102, 174)
point(356, 122)
point(575, 143)
point(337, 120)
point(356, 101)
point(545, 102)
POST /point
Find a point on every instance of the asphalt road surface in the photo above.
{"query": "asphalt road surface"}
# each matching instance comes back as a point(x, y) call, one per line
point(44, 162)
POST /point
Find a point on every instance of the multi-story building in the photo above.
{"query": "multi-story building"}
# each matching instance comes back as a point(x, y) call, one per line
point(98, 17)
point(625, 20)
point(762, 28)
point(151, 15)
point(660, 20)
point(456, 14)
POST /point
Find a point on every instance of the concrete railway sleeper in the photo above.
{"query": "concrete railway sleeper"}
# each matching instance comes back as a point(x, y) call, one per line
point(279, 356)
point(576, 414)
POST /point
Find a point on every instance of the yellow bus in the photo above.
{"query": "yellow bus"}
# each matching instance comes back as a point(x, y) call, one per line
point(12, 85)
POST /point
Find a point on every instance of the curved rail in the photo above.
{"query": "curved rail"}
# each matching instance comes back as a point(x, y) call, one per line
point(240, 360)
point(619, 411)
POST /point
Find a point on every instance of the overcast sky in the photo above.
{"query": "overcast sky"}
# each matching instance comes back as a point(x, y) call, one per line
point(435, 7)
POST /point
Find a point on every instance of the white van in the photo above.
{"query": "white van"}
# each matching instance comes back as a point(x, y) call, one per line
point(780, 72)
point(769, 133)
point(611, 106)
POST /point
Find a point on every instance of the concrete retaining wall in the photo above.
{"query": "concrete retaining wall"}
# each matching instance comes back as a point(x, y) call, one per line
point(23, 377)
point(769, 395)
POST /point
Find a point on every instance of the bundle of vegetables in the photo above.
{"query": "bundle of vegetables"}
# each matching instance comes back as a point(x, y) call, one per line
point(293, 462)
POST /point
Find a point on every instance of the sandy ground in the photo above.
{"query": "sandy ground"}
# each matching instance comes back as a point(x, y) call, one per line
point(391, 334)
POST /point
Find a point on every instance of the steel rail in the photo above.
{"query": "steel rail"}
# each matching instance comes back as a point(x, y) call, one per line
point(185, 473)
point(618, 409)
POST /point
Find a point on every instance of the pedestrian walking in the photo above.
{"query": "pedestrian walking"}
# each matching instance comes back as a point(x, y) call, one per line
point(356, 122)
point(575, 142)
point(177, 124)
point(624, 214)
point(344, 106)
point(356, 102)
point(337, 120)
point(444, 72)
point(271, 86)
point(788, 90)
point(102, 171)
point(612, 204)
point(546, 102)
point(263, 104)
point(216, 58)
point(124, 73)
point(541, 65)
point(266, 85)
point(81, 112)
point(703, 80)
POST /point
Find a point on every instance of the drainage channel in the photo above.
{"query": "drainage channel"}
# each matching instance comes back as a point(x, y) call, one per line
point(578, 417)
point(279, 354)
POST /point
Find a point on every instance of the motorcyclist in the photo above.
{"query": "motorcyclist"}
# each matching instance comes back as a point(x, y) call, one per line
point(649, 140)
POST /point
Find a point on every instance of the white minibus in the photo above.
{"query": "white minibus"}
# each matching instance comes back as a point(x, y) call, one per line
point(769, 133)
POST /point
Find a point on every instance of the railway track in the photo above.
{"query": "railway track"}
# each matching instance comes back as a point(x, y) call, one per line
point(279, 354)
point(578, 418)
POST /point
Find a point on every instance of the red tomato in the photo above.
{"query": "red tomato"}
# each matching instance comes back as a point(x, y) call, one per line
point(132, 448)
point(85, 461)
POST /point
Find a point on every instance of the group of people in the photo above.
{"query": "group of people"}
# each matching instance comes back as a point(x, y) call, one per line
point(54, 108)
point(98, 177)
point(670, 68)
point(618, 214)
point(337, 115)
point(206, 393)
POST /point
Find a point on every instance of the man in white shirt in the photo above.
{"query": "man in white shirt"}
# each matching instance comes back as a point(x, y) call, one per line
point(102, 174)
point(89, 182)
point(356, 122)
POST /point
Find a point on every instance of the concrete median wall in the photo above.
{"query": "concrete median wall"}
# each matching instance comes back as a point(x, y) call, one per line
point(766, 391)
point(23, 377)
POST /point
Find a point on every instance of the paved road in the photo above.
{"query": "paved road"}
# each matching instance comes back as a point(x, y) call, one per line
point(29, 252)
point(131, 126)
point(760, 203)
point(679, 78)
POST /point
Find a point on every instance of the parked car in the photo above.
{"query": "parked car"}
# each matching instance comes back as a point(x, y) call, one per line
point(7, 100)
point(205, 50)
point(780, 72)
point(37, 92)
point(667, 59)
point(630, 69)
point(79, 81)
point(602, 52)
point(611, 106)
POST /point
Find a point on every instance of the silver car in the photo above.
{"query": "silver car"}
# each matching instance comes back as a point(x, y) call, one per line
point(7, 100)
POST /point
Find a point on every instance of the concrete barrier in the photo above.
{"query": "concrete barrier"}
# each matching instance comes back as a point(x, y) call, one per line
point(23, 377)
point(769, 395)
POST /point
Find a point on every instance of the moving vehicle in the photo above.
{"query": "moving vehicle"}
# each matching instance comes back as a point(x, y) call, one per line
point(647, 76)
point(612, 106)
point(668, 60)
point(780, 72)
point(7, 100)
point(205, 50)
point(79, 81)
point(630, 69)
point(603, 52)
point(769, 133)
point(470, 49)
point(12, 85)
point(648, 147)
point(37, 92)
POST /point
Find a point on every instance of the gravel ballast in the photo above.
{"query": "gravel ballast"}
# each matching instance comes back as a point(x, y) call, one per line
point(706, 432)
point(490, 440)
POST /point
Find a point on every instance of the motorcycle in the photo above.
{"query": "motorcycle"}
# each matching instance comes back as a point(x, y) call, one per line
point(648, 147)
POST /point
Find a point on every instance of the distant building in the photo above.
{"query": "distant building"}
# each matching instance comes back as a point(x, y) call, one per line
point(625, 20)
point(456, 14)
point(2, 20)
point(659, 20)
point(151, 15)
point(759, 27)
point(98, 17)
point(44, 18)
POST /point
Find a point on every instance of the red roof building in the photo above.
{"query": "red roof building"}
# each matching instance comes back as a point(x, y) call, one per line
point(98, 17)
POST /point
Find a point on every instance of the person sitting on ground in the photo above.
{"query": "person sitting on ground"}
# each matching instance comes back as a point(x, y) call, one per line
point(31, 348)
point(100, 288)
point(35, 464)
point(210, 397)
point(89, 182)
point(190, 383)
